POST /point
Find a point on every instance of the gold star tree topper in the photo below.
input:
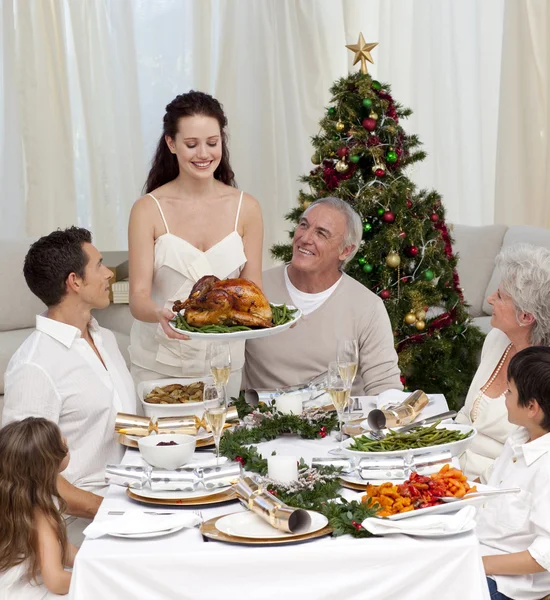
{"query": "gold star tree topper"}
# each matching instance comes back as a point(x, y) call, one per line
point(362, 52)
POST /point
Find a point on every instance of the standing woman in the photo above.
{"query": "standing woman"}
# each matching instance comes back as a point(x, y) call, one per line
point(192, 222)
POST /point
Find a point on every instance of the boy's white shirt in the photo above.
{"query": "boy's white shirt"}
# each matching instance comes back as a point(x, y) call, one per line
point(517, 522)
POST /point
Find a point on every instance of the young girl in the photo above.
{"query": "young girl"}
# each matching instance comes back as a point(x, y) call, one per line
point(33, 541)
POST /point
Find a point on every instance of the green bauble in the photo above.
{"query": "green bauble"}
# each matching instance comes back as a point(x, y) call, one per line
point(368, 268)
point(355, 158)
point(428, 275)
point(367, 102)
point(376, 85)
point(380, 211)
point(331, 111)
point(336, 138)
point(391, 156)
point(362, 260)
point(367, 227)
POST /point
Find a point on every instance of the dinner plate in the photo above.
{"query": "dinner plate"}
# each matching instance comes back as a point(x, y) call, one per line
point(250, 525)
point(226, 495)
point(210, 531)
point(148, 534)
point(177, 494)
point(455, 448)
point(242, 335)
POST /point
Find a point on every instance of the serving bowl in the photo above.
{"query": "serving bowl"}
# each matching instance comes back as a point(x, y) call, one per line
point(167, 457)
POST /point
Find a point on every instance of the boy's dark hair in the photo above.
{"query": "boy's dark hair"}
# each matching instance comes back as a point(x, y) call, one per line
point(52, 259)
point(530, 371)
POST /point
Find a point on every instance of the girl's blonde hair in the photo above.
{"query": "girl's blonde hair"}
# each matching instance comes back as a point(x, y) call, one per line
point(31, 452)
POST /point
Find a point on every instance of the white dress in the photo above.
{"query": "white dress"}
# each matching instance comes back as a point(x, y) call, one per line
point(178, 265)
point(14, 585)
point(491, 417)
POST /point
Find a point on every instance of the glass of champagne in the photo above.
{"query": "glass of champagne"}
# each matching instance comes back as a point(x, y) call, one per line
point(339, 390)
point(218, 357)
point(215, 411)
point(347, 357)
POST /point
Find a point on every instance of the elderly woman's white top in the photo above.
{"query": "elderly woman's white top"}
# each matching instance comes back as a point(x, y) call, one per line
point(491, 417)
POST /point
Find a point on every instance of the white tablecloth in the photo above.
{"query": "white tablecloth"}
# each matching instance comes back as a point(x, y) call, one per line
point(181, 566)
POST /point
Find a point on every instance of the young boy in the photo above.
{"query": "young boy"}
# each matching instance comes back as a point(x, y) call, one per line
point(514, 529)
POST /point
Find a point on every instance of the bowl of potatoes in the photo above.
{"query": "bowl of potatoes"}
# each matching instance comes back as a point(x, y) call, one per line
point(171, 397)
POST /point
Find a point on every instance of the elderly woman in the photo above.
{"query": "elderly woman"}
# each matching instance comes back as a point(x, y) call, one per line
point(521, 318)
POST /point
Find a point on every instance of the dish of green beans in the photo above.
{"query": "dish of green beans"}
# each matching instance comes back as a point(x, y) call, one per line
point(423, 437)
point(282, 314)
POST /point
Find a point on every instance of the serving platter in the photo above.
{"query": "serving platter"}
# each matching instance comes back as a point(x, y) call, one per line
point(455, 448)
point(242, 335)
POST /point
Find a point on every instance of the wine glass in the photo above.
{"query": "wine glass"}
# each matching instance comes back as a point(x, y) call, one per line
point(215, 411)
point(347, 357)
point(339, 390)
point(218, 356)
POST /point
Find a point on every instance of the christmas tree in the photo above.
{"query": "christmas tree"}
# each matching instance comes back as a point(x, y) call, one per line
point(361, 155)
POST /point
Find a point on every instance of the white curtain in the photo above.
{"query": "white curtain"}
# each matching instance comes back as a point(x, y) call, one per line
point(523, 184)
point(86, 83)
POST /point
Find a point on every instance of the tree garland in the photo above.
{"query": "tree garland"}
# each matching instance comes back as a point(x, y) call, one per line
point(316, 486)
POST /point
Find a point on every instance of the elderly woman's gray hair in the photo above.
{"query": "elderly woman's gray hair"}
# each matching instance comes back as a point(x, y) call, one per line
point(354, 225)
point(525, 276)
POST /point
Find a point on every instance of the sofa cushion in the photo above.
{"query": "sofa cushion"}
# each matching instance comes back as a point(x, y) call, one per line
point(537, 236)
point(476, 248)
point(484, 323)
point(18, 305)
point(9, 342)
point(116, 317)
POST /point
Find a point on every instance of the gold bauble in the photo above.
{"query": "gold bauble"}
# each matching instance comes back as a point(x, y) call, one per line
point(410, 318)
point(393, 260)
point(305, 204)
point(373, 115)
point(420, 325)
point(420, 315)
point(316, 159)
point(342, 166)
point(340, 126)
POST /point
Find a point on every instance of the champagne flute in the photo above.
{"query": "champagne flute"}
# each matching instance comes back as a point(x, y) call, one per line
point(215, 411)
point(218, 356)
point(339, 390)
point(347, 357)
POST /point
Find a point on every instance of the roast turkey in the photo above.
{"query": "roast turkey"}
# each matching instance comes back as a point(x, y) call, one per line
point(216, 301)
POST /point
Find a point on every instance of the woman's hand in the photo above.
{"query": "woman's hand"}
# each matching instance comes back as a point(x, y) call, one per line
point(164, 315)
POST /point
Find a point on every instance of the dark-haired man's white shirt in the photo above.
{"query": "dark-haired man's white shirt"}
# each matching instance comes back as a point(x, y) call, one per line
point(516, 522)
point(56, 374)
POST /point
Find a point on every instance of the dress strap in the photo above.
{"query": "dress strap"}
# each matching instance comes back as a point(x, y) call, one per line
point(162, 214)
point(238, 211)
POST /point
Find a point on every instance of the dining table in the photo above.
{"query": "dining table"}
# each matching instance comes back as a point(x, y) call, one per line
point(186, 566)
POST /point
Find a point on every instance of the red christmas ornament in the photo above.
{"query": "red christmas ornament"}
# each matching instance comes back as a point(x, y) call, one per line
point(402, 235)
point(385, 294)
point(323, 434)
point(388, 216)
point(357, 525)
point(274, 492)
point(402, 379)
point(369, 124)
point(434, 217)
point(239, 459)
point(380, 172)
point(411, 251)
point(409, 204)
point(342, 152)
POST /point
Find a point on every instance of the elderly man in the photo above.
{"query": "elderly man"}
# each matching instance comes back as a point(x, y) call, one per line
point(70, 370)
point(334, 306)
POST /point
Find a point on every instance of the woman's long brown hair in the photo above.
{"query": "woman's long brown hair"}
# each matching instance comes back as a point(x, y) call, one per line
point(164, 167)
point(31, 452)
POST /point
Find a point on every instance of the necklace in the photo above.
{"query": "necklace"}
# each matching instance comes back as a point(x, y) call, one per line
point(475, 409)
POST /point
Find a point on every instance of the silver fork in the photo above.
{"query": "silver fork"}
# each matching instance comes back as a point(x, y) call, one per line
point(145, 512)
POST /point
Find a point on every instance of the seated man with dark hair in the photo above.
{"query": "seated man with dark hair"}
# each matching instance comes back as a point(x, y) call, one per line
point(335, 307)
point(514, 529)
point(70, 370)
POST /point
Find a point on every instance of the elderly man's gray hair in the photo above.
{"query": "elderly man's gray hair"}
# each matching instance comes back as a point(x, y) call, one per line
point(525, 276)
point(354, 225)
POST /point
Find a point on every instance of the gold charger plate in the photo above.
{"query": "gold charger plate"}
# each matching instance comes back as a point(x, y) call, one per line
point(130, 443)
point(209, 530)
point(354, 486)
point(225, 496)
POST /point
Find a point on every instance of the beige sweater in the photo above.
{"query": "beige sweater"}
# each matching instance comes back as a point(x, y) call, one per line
point(300, 353)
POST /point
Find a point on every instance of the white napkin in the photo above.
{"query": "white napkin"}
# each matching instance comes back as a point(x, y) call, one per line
point(136, 521)
point(391, 398)
point(424, 525)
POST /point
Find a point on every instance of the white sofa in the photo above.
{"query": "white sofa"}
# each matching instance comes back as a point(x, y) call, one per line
point(477, 248)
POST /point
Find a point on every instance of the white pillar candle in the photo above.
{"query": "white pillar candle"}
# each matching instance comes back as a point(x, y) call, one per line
point(282, 468)
point(289, 404)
